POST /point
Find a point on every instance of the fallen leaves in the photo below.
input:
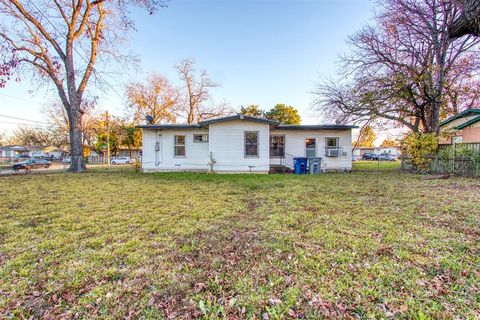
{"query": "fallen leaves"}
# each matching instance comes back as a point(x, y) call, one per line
point(190, 246)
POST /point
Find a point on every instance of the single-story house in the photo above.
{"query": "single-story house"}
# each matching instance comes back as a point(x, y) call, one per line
point(16, 152)
point(35, 152)
point(125, 152)
point(239, 143)
point(392, 150)
point(12, 152)
point(462, 128)
point(53, 153)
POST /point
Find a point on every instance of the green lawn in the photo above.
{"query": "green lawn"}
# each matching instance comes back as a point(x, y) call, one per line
point(369, 244)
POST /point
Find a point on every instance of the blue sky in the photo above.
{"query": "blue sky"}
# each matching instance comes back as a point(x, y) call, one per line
point(260, 51)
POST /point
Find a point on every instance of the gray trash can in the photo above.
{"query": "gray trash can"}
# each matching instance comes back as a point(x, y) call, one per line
point(315, 165)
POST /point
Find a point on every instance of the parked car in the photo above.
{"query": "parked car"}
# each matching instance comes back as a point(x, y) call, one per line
point(120, 160)
point(386, 157)
point(370, 156)
point(31, 164)
point(67, 160)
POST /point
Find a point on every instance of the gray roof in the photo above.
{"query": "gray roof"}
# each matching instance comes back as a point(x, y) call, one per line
point(277, 125)
point(14, 147)
point(465, 113)
point(315, 127)
point(238, 117)
point(170, 126)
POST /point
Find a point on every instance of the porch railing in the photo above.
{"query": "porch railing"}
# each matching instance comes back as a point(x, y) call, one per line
point(287, 160)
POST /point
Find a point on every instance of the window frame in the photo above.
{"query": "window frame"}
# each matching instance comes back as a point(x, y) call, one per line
point(316, 146)
point(175, 145)
point(283, 147)
point(257, 155)
point(201, 135)
point(337, 142)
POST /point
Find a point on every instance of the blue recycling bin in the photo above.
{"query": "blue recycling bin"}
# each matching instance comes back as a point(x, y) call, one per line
point(300, 165)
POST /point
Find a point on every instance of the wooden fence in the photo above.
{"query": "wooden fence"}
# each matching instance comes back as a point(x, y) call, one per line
point(474, 147)
point(461, 165)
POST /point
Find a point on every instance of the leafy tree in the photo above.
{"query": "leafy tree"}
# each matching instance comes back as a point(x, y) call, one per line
point(155, 98)
point(252, 110)
point(389, 143)
point(131, 137)
point(419, 147)
point(61, 41)
point(366, 137)
point(284, 114)
point(106, 127)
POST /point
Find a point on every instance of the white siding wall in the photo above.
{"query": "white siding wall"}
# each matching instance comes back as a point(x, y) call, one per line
point(295, 145)
point(196, 154)
point(228, 147)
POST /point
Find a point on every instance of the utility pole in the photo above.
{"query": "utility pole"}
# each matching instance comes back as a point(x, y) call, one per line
point(108, 139)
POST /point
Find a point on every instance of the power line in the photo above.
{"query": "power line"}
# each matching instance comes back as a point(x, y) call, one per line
point(18, 98)
point(26, 124)
point(23, 119)
point(75, 49)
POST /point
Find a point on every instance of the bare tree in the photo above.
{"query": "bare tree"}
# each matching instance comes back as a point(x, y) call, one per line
point(61, 41)
point(60, 125)
point(196, 95)
point(155, 98)
point(468, 22)
point(403, 69)
point(33, 136)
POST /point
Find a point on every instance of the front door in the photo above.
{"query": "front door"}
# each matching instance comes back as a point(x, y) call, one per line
point(310, 148)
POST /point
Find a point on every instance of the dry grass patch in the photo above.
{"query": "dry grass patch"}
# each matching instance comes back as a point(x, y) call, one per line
point(126, 245)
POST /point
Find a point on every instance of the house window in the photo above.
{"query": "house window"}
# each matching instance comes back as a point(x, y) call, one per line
point(331, 142)
point(179, 146)
point(310, 147)
point(277, 145)
point(199, 138)
point(251, 144)
point(332, 147)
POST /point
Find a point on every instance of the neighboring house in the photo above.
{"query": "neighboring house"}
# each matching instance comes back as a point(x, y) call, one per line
point(462, 128)
point(125, 152)
point(15, 152)
point(35, 152)
point(243, 144)
point(360, 151)
point(53, 153)
point(12, 152)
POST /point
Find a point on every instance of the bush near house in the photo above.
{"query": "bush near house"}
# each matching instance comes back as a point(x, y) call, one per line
point(380, 244)
point(419, 148)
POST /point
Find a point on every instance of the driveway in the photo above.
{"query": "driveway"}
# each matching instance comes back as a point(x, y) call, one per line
point(53, 167)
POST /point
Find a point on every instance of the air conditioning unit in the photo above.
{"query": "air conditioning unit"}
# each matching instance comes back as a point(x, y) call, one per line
point(333, 152)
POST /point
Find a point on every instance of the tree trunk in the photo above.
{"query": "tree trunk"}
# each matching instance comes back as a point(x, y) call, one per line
point(77, 163)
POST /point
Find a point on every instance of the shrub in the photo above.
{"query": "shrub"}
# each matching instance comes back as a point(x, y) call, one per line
point(420, 147)
point(137, 165)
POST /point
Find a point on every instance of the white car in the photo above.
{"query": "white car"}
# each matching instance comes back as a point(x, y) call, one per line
point(120, 160)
